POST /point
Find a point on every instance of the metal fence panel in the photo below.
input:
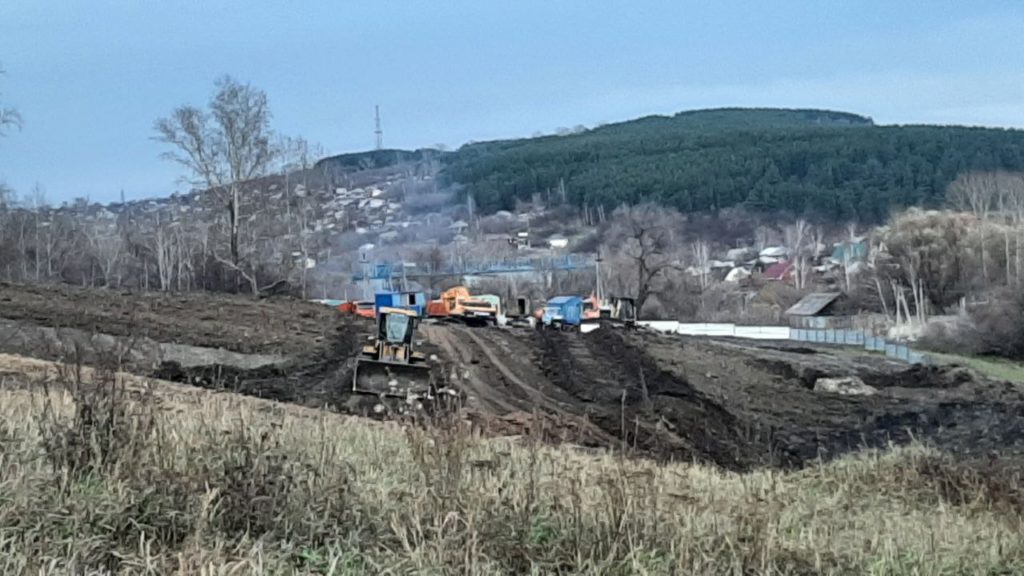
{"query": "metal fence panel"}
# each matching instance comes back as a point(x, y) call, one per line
point(762, 332)
point(916, 357)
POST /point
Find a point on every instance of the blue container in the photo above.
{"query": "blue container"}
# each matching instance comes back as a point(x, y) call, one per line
point(413, 301)
point(416, 301)
point(567, 310)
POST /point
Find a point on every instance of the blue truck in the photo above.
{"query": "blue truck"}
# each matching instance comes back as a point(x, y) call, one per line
point(563, 312)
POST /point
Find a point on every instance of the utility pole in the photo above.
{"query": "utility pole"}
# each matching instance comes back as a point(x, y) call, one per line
point(378, 131)
point(600, 284)
point(364, 262)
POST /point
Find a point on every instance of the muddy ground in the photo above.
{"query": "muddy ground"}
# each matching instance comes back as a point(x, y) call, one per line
point(737, 404)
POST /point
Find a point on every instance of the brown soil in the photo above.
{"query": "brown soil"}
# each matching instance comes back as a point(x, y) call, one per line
point(738, 404)
point(276, 325)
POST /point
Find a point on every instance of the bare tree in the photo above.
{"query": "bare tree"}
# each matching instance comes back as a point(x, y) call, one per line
point(9, 117)
point(644, 234)
point(223, 148)
point(797, 237)
point(166, 250)
point(930, 252)
point(1011, 204)
point(107, 250)
point(702, 262)
point(977, 193)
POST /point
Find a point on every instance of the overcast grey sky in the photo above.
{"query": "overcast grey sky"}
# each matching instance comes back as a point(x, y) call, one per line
point(91, 77)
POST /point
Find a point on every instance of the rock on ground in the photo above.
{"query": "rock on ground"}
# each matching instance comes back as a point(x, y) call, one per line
point(847, 386)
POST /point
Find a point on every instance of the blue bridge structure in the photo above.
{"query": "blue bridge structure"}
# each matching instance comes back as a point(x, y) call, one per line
point(389, 271)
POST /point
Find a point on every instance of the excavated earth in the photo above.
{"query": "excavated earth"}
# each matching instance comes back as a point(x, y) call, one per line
point(736, 404)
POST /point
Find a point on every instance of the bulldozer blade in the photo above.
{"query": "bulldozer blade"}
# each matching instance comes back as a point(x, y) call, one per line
point(393, 379)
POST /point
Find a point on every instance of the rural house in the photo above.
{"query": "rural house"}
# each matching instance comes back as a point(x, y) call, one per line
point(818, 310)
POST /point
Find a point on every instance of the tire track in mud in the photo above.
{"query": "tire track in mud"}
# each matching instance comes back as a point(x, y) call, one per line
point(466, 369)
point(656, 412)
point(601, 385)
point(507, 390)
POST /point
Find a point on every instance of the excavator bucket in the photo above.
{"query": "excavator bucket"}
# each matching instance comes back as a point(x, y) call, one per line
point(392, 379)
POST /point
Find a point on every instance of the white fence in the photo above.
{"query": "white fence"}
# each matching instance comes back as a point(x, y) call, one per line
point(720, 330)
point(858, 338)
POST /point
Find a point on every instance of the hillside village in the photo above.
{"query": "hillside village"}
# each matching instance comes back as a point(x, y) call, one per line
point(310, 223)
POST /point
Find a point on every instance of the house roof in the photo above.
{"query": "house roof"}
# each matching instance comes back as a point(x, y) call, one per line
point(562, 300)
point(737, 274)
point(778, 271)
point(774, 251)
point(813, 304)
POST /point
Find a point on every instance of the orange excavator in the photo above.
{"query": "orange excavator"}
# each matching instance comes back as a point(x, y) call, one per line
point(458, 304)
point(449, 304)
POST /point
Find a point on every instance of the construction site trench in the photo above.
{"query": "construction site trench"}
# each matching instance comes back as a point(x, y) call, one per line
point(736, 404)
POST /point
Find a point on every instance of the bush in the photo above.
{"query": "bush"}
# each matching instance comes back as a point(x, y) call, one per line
point(1000, 325)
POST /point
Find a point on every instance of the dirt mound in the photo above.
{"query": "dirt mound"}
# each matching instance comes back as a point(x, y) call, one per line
point(628, 395)
point(320, 377)
point(739, 405)
point(770, 387)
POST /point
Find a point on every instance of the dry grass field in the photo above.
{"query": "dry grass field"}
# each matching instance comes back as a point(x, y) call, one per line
point(104, 474)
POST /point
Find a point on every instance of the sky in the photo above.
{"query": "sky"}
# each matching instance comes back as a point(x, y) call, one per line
point(90, 77)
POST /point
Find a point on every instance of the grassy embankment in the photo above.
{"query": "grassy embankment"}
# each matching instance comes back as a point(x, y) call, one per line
point(182, 480)
point(995, 368)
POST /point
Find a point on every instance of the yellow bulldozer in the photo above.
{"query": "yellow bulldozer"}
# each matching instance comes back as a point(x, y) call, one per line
point(390, 367)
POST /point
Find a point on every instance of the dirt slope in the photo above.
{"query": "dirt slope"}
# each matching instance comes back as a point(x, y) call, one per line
point(283, 326)
point(736, 404)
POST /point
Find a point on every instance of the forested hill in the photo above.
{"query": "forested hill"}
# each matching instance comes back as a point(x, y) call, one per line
point(827, 164)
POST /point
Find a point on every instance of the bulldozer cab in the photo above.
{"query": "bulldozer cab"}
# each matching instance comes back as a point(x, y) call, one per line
point(521, 307)
point(395, 327)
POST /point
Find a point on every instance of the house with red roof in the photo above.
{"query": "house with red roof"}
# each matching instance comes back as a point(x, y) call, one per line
point(782, 271)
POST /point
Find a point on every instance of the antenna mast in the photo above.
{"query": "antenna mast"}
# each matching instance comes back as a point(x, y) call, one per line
point(378, 131)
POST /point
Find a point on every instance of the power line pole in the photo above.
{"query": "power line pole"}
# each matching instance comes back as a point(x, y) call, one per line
point(379, 131)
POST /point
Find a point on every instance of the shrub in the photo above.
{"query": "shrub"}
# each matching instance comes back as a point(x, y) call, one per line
point(1000, 324)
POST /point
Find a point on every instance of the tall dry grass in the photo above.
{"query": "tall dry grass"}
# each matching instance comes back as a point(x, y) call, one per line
point(104, 477)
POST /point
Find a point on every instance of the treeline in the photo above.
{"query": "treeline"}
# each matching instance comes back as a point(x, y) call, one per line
point(827, 165)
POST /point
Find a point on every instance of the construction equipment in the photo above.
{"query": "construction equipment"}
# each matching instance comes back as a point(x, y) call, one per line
point(390, 367)
point(449, 304)
point(457, 304)
point(563, 313)
point(481, 310)
point(364, 308)
point(519, 312)
point(620, 310)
